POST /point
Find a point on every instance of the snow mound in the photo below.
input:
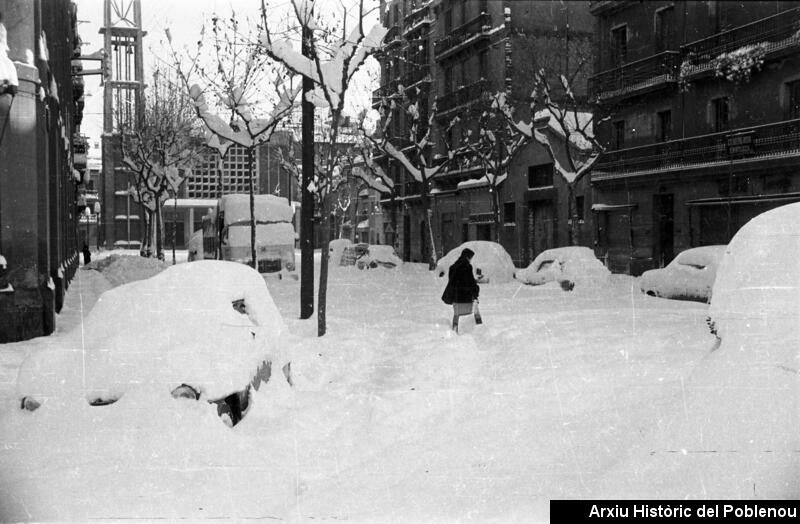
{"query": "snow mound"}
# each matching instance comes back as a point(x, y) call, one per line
point(690, 276)
point(573, 265)
point(491, 262)
point(178, 327)
point(122, 269)
point(757, 290)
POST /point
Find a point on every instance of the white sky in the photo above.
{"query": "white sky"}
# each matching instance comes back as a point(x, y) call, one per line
point(184, 18)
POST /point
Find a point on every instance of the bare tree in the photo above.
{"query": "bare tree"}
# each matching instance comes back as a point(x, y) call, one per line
point(159, 149)
point(238, 79)
point(574, 150)
point(413, 150)
point(330, 62)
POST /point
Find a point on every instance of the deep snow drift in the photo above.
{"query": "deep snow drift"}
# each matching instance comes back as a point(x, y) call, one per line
point(392, 417)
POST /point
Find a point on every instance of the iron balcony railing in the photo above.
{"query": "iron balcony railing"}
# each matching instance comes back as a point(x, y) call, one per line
point(461, 96)
point(474, 30)
point(776, 32)
point(750, 143)
point(647, 72)
point(392, 36)
point(417, 74)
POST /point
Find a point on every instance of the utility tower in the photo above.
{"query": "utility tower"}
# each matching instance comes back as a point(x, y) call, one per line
point(123, 98)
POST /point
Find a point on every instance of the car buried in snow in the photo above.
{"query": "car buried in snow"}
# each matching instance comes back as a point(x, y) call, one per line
point(206, 331)
point(690, 275)
point(491, 262)
point(756, 294)
point(569, 266)
point(363, 256)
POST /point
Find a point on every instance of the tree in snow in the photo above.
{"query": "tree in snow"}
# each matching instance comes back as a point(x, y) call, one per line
point(413, 149)
point(493, 145)
point(159, 149)
point(330, 61)
point(577, 149)
point(244, 87)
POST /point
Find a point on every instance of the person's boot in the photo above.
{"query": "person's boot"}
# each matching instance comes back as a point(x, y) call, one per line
point(455, 324)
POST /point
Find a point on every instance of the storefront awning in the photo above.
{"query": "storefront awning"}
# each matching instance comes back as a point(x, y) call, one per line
point(363, 225)
point(612, 207)
point(752, 199)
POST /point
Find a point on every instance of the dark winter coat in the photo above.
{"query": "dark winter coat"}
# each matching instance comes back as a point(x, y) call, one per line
point(461, 285)
point(87, 255)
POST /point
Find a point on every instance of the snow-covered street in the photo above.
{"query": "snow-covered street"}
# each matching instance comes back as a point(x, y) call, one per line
point(393, 417)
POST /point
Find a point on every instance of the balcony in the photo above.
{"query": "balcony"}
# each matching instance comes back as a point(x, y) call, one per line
point(417, 19)
point(461, 96)
point(392, 37)
point(642, 75)
point(467, 34)
point(771, 141)
point(416, 75)
point(385, 91)
point(776, 34)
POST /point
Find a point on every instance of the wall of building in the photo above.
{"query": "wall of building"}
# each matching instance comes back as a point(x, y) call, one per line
point(37, 187)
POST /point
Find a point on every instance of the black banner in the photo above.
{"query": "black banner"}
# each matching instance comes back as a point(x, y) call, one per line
point(728, 511)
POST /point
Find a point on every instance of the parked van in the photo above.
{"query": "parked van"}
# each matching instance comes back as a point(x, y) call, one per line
point(226, 233)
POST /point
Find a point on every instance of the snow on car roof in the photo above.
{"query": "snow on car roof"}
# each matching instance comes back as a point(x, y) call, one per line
point(268, 208)
point(701, 256)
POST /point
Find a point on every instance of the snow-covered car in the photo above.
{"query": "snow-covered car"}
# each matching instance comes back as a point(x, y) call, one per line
point(491, 262)
point(364, 256)
point(208, 331)
point(690, 276)
point(566, 265)
point(374, 255)
point(756, 295)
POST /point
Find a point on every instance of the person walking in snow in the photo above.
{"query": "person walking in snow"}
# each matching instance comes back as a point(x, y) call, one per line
point(87, 255)
point(462, 289)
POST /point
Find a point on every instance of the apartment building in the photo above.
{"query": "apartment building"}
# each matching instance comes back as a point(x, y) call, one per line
point(454, 54)
point(702, 123)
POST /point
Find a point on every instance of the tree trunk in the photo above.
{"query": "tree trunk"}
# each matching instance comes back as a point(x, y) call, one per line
point(495, 195)
point(306, 197)
point(254, 263)
point(159, 229)
point(426, 208)
point(571, 222)
point(322, 292)
point(174, 227)
point(145, 231)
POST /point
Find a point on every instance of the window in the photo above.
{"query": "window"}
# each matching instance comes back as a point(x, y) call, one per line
point(665, 29)
point(619, 134)
point(721, 108)
point(793, 89)
point(540, 176)
point(509, 212)
point(579, 203)
point(619, 43)
point(448, 21)
point(448, 80)
point(664, 125)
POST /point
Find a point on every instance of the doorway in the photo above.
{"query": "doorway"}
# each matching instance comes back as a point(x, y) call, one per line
point(540, 228)
point(664, 239)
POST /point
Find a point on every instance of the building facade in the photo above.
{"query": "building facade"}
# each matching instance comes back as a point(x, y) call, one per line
point(702, 123)
point(455, 53)
point(41, 162)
